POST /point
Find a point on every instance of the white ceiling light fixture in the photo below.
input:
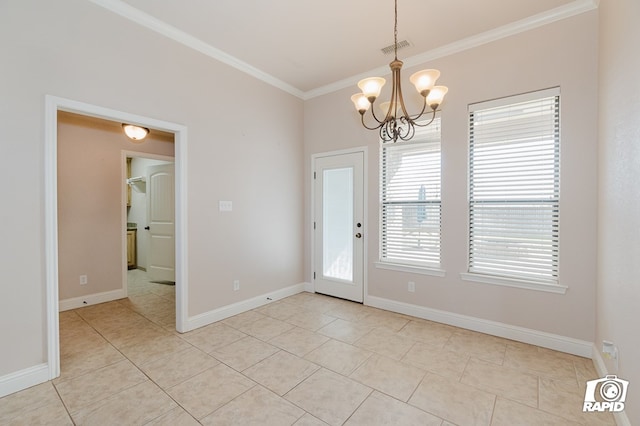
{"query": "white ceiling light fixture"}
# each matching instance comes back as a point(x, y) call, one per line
point(397, 123)
point(135, 133)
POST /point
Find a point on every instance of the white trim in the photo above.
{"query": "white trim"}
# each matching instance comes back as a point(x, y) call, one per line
point(143, 19)
point(621, 418)
point(53, 104)
point(51, 234)
point(423, 270)
point(507, 282)
point(310, 286)
point(91, 299)
point(566, 11)
point(23, 379)
point(227, 311)
point(139, 17)
point(598, 361)
point(494, 328)
point(515, 99)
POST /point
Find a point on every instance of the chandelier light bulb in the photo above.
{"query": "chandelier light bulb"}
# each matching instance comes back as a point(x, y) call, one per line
point(385, 108)
point(361, 102)
point(424, 80)
point(371, 87)
point(436, 96)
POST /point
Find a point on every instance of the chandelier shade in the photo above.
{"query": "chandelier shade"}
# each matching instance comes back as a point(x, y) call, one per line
point(397, 123)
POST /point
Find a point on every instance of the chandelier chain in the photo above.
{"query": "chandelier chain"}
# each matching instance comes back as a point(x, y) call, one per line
point(395, 31)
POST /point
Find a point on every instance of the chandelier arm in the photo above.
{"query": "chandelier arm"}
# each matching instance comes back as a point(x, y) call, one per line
point(383, 134)
point(424, 108)
point(433, 117)
point(410, 133)
point(388, 131)
point(370, 128)
point(400, 100)
point(373, 114)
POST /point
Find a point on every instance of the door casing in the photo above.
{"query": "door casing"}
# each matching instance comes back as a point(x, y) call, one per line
point(53, 104)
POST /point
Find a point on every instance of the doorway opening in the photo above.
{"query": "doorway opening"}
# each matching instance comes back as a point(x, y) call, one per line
point(149, 252)
point(53, 105)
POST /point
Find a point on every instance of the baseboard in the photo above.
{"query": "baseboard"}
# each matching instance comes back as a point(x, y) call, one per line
point(521, 334)
point(601, 367)
point(91, 299)
point(598, 361)
point(243, 306)
point(309, 287)
point(15, 382)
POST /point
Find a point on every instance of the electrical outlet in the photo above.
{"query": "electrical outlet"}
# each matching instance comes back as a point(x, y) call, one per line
point(610, 350)
point(236, 285)
point(83, 280)
point(411, 286)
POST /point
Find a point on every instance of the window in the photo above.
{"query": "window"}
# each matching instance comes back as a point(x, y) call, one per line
point(410, 199)
point(514, 172)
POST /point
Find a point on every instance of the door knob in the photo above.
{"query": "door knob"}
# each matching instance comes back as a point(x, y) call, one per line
point(358, 235)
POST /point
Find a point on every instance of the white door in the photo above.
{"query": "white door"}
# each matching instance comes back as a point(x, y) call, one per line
point(161, 222)
point(339, 227)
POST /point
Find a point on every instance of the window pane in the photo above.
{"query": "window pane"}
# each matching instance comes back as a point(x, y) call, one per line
point(338, 224)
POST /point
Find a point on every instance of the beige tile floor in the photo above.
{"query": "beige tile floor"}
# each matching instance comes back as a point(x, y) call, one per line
point(304, 360)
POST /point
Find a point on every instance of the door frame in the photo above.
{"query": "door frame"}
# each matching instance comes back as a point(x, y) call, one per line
point(365, 215)
point(137, 154)
point(53, 104)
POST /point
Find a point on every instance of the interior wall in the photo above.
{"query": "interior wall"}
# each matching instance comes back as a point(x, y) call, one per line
point(560, 54)
point(618, 295)
point(90, 191)
point(246, 152)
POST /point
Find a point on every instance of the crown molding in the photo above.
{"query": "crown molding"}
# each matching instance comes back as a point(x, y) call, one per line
point(566, 11)
point(139, 17)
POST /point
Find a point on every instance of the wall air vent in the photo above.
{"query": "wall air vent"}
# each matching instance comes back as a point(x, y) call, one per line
point(401, 45)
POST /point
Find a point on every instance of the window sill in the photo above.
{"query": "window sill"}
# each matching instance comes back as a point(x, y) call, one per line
point(411, 269)
point(507, 282)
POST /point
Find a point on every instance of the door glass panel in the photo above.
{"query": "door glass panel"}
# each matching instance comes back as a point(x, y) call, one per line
point(337, 202)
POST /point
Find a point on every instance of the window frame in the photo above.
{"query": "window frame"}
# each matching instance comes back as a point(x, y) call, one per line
point(416, 267)
point(516, 280)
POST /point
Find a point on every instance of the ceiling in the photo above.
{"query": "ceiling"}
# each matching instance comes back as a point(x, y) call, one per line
point(312, 47)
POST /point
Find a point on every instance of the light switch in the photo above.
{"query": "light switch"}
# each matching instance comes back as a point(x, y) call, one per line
point(225, 206)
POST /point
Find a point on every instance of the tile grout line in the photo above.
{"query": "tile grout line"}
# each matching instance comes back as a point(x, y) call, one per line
point(133, 363)
point(320, 367)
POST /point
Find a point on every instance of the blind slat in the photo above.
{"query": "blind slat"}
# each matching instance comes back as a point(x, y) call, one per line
point(410, 199)
point(514, 165)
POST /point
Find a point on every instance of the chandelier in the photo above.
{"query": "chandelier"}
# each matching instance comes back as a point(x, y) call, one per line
point(397, 123)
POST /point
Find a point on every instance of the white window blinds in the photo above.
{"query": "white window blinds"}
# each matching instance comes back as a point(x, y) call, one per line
point(514, 173)
point(410, 199)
